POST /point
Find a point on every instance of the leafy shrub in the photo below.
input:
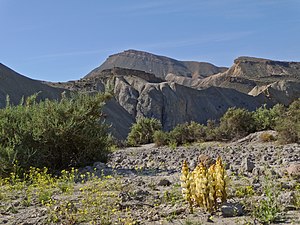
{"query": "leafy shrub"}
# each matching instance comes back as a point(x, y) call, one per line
point(196, 132)
point(235, 123)
point(142, 131)
point(265, 119)
point(288, 126)
point(54, 134)
point(160, 138)
point(187, 133)
point(211, 130)
point(180, 134)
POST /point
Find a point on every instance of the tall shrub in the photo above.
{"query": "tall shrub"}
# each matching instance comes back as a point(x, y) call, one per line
point(55, 134)
point(288, 126)
point(265, 119)
point(235, 123)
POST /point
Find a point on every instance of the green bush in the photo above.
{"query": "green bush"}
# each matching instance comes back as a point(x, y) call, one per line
point(288, 126)
point(188, 133)
point(160, 138)
point(142, 131)
point(54, 134)
point(211, 130)
point(235, 123)
point(180, 134)
point(265, 119)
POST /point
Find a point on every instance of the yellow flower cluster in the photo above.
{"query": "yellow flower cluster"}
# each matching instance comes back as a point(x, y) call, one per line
point(204, 187)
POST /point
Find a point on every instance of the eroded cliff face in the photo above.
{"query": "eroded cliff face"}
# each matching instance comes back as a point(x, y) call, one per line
point(140, 94)
point(264, 69)
point(253, 76)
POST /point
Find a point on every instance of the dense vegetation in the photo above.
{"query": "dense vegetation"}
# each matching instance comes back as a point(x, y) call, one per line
point(234, 124)
point(53, 134)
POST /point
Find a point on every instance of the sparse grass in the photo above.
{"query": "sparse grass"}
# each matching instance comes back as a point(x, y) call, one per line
point(172, 196)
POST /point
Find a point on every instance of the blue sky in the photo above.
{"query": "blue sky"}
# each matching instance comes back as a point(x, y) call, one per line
point(62, 40)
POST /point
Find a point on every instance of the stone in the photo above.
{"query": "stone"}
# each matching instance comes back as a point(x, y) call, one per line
point(248, 165)
point(164, 182)
point(140, 195)
point(257, 171)
point(294, 170)
point(232, 209)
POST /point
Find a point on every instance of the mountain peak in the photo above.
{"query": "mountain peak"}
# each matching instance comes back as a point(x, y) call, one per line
point(158, 65)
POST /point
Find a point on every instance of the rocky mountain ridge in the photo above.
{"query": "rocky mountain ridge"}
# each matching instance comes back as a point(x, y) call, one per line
point(170, 90)
point(140, 95)
point(158, 65)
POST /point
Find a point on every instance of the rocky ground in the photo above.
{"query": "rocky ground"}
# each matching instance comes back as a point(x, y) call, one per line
point(151, 189)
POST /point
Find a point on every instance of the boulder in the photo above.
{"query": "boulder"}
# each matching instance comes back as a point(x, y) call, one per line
point(247, 165)
point(232, 209)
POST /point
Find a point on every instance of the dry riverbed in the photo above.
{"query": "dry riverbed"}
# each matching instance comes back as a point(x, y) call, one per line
point(141, 186)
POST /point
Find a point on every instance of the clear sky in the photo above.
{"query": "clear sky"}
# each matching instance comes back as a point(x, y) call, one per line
point(60, 40)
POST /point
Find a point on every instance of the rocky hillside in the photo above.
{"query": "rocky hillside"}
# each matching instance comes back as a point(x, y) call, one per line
point(139, 93)
point(16, 86)
point(158, 65)
point(277, 80)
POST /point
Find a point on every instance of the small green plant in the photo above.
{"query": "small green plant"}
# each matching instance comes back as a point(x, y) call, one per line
point(172, 145)
point(244, 191)
point(172, 197)
point(268, 209)
point(190, 222)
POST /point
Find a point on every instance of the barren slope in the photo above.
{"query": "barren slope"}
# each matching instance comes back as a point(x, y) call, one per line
point(158, 65)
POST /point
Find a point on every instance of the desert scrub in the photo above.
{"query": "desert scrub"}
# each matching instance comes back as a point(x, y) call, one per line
point(97, 202)
point(143, 130)
point(204, 187)
point(288, 125)
point(56, 134)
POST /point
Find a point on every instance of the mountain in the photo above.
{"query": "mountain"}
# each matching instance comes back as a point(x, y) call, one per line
point(144, 84)
point(160, 66)
point(253, 76)
point(142, 94)
point(17, 86)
